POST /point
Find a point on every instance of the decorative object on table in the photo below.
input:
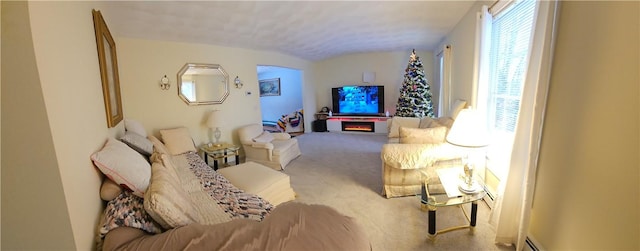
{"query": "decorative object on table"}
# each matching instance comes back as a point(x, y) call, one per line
point(238, 82)
point(469, 131)
point(164, 83)
point(108, 70)
point(415, 93)
point(213, 122)
point(269, 87)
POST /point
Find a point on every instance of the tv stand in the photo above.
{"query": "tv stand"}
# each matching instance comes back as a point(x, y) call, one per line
point(360, 124)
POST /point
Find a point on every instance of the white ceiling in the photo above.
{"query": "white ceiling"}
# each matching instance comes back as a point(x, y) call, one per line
point(312, 30)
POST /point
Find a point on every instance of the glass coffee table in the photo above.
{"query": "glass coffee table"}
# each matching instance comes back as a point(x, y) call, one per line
point(448, 192)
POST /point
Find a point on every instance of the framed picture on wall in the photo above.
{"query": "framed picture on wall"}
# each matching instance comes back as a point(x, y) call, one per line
point(269, 87)
point(108, 62)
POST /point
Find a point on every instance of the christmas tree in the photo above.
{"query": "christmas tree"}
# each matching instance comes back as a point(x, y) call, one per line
point(415, 93)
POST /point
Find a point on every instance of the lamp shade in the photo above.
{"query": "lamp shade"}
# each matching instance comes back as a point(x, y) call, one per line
point(213, 121)
point(469, 130)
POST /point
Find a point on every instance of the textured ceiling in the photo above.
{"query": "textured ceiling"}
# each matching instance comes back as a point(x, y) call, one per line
point(312, 30)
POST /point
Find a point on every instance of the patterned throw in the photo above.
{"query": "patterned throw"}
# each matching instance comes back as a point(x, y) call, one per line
point(231, 199)
point(128, 209)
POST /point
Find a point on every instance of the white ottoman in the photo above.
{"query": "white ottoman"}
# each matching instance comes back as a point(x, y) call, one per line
point(261, 180)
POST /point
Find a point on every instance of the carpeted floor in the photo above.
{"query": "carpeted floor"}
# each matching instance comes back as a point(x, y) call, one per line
point(343, 170)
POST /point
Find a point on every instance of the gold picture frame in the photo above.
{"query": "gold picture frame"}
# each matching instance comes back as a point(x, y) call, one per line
point(269, 87)
point(108, 70)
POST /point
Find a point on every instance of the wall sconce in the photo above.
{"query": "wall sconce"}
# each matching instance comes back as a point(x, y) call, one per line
point(164, 83)
point(238, 82)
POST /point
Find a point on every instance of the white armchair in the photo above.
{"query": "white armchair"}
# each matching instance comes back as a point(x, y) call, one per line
point(276, 153)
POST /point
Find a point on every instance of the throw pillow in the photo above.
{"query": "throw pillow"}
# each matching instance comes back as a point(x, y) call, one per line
point(109, 190)
point(398, 122)
point(443, 121)
point(158, 146)
point(178, 140)
point(434, 135)
point(265, 137)
point(167, 202)
point(135, 127)
point(124, 166)
point(138, 142)
point(426, 122)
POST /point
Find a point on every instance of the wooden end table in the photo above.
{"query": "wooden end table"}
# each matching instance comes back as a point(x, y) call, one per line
point(220, 152)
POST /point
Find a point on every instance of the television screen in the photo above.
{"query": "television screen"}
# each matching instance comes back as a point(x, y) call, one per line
point(358, 100)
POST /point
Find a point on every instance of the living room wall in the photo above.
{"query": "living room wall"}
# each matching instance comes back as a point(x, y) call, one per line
point(143, 62)
point(389, 68)
point(462, 41)
point(53, 120)
point(587, 194)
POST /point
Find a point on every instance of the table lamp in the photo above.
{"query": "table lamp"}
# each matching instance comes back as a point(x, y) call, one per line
point(213, 122)
point(469, 131)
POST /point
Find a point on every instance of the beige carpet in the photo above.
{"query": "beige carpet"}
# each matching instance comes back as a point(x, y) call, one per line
point(343, 170)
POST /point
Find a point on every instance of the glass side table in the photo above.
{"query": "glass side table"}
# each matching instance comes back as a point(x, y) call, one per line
point(447, 193)
point(220, 152)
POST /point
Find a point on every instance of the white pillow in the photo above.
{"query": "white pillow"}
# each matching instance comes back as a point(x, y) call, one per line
point(398, 122)
point(265, 137)
point(138, 142)
point(123, 165)
point(135, 127)
point(158, 146)
point(435, 135)
point(178, 140)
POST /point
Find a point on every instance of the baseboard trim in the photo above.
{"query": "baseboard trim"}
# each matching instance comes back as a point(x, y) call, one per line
point(532, 245)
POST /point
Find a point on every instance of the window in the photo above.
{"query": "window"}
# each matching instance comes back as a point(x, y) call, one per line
point(506, 45)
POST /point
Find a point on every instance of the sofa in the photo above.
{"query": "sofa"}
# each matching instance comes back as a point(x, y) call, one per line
point(271, 149)
point(416, 148)
point(160, 194)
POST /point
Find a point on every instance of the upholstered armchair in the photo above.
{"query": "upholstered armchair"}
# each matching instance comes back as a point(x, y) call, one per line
point(274, 150)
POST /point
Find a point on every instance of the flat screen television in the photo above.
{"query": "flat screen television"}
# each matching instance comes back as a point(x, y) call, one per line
point(358, 100)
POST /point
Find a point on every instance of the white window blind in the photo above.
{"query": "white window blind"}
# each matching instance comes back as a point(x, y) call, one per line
point(510, 42)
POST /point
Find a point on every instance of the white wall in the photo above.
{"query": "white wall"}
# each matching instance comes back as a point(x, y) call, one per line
point(462, 41)
point(144, 62)
point(389, 68)
point(54, 120)
point(290, 99)
point(588, 195)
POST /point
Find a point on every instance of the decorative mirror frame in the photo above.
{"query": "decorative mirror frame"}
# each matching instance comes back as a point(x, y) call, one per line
point(108, 70)
point(217, 67)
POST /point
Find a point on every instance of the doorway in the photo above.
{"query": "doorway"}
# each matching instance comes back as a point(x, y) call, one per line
point(281, 99)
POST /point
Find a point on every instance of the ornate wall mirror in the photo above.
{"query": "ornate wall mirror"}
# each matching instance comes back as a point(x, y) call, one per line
point(203, 84)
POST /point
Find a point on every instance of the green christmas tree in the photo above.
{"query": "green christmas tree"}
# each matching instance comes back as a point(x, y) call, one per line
point(415, 93)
